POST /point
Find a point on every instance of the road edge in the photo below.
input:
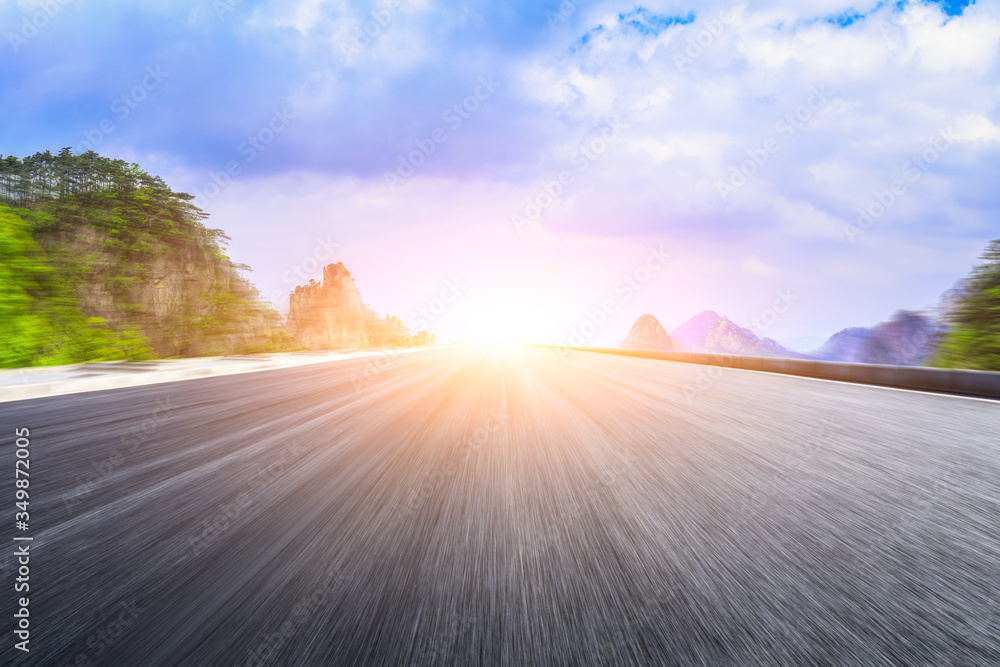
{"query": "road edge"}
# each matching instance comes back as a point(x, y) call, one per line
point(100, 376)
point(981, 384)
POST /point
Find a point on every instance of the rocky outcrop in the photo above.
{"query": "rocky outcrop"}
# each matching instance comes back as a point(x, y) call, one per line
point(714, 334)
point(331, 315)
point(647, 334)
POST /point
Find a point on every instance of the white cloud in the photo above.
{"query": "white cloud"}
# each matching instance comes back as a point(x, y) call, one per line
point(690, 128)
point(756, 266)
point(976, 127)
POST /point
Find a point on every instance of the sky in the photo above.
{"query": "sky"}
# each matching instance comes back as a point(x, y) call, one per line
point(547, 171)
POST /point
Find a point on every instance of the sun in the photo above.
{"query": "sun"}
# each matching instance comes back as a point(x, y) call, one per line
point(521, 317)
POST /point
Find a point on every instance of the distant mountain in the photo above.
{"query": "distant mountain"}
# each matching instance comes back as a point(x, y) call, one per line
point(845, 345)
point(691, 335)
point(712, 333)
point(647, 334)
point(906, 339)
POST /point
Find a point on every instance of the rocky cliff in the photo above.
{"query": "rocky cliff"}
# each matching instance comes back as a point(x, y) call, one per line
point(647, 334)
point(184, 295)
point(331, 315)
point(106, 261)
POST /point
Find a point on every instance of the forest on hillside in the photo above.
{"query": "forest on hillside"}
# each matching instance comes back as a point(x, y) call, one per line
point(100, 260)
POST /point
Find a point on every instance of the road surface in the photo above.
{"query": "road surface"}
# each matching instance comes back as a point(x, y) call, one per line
point(509, 506)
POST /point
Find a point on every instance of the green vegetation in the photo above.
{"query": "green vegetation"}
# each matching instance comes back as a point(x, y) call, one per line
point(40, 321)
point(973, 340)
point(100, 260)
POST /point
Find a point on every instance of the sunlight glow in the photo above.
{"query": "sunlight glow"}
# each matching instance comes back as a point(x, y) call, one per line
point(505, 318)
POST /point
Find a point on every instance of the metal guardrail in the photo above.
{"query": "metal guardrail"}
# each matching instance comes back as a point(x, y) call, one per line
point(984, 384)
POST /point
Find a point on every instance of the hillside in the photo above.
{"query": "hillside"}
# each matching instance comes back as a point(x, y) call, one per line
point(105, 261)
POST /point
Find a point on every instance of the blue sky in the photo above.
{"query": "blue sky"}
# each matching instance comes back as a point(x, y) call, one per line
point(423, 141)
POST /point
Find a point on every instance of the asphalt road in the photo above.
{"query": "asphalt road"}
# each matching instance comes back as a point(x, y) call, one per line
point(463, 506)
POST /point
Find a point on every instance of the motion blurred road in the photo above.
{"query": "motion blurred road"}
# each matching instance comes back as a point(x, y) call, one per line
point(508, 506)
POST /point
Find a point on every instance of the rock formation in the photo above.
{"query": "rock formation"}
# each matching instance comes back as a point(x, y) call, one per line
point(647, 334)
point(332, 316)
point(712, 333)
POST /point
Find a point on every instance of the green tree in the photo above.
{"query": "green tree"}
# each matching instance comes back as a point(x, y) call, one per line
point(973, 340)
point(41, 322)
point(92, 235)
point(24, 327)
